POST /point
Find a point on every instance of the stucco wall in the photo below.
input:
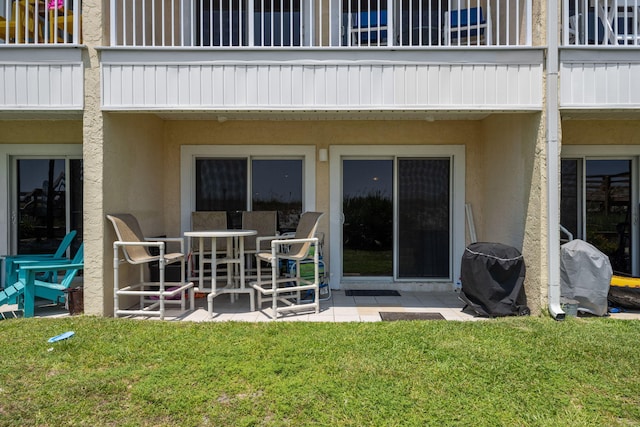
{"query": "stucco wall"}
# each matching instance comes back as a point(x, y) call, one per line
point(511, 209)
point(593, 132)
point(41, 132)
point(134, 182)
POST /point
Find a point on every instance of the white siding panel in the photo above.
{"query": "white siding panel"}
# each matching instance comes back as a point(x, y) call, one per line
point(599, 85)
point(325, 86)
point(41, 86)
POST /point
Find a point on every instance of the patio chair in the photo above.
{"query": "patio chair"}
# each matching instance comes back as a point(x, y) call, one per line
point(284, 288)
point(12, 262)
point(266, 224)
point(152, 296)
point(51, 290)
point(467, 23)
point(369, 28)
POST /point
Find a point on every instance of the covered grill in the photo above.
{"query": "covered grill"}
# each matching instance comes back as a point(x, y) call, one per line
point(492, 276)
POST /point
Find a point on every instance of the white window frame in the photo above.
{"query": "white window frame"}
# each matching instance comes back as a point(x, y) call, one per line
point(8, 155)
point(189, 154)
point(457, 155)
point(611, 152)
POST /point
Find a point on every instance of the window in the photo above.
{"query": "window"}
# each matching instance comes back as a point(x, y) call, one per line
point(49, 203)
point(40, 196)
point(276, 184)
point(244, 177)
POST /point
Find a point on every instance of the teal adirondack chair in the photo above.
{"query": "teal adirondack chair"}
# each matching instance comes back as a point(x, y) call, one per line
point(53, 291)
point(12, 262)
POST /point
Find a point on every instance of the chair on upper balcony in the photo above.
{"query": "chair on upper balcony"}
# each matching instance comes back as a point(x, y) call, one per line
point(62, 27)
point(369, 28)
point(466, 24)
point(22, 16)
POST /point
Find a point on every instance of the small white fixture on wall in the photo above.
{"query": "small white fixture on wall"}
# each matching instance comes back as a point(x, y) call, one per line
point(323, 154)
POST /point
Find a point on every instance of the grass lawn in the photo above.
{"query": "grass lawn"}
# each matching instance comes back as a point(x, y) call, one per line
point(504, 372)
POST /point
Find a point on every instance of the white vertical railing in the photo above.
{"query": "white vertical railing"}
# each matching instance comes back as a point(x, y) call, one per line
point(36, 22)
point(601, 22)
point(322, 23)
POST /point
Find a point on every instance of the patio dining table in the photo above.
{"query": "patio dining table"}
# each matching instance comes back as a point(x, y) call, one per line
point(234, 259)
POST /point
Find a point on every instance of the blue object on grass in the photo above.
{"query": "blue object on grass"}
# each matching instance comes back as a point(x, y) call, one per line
point(61, 337)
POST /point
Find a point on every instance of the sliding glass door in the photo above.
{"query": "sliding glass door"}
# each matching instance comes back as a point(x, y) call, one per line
point(396, 218)
point(367, 206)
point(47, 204)
point(597, 206)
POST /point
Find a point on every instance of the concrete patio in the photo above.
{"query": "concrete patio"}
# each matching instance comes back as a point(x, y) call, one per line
point(339, 308)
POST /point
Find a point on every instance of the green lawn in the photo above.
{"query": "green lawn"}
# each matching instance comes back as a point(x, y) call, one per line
point(504, 372)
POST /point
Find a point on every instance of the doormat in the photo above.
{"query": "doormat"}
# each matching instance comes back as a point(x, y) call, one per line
point(404, 315)
point(371, 293)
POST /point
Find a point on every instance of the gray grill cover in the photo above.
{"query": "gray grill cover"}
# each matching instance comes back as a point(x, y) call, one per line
point(585, 276)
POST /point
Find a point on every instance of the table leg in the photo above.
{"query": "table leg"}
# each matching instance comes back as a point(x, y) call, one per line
point(214, 265)
point(201, 262)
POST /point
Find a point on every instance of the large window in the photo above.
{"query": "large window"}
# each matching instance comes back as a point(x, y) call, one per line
point(47, 204)
point(222, 184)
point(236, 178)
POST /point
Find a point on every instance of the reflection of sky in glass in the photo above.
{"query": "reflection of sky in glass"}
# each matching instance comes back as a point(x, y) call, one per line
point(277, 180)
point(34, 173)
point(607, 167)
point(364, 177)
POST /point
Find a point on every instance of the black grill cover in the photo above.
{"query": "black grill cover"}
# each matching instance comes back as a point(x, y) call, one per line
point(492, 276)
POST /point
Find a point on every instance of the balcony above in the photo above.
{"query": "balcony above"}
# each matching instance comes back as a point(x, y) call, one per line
point(320, 23)
point(297, 56)
point(321, 81)
point(600, 57)
point(40, 22)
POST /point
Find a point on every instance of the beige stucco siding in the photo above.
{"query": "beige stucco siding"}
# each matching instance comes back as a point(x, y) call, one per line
point(512, 210)
point(41, 132)
point(619, 132)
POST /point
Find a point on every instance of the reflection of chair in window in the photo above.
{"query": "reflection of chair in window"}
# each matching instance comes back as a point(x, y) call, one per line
point(266, 224)
point(467, 23)
point(22, 15)
point(369, 28)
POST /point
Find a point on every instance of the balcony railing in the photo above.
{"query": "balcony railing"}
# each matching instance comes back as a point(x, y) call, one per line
point(601, 22)
point(320, 23)
point(24, 22)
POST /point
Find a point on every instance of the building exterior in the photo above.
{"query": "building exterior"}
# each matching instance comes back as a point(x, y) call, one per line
point(414, 124)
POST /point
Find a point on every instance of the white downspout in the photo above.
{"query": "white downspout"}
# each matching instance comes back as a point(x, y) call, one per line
point(553, 158)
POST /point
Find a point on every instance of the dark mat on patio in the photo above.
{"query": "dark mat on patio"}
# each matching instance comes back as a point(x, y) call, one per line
point(403, 315)
point(371, 293)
